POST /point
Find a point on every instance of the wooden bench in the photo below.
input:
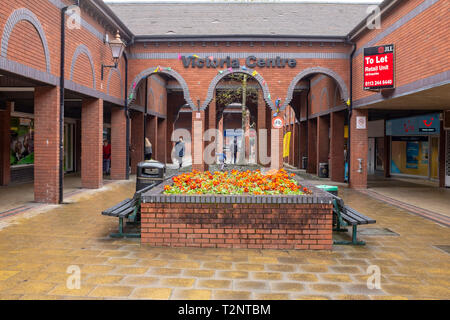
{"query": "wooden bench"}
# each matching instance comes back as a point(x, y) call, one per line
point(346, 216)
point(128, 209)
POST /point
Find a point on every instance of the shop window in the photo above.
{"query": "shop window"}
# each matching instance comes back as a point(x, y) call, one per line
point(417, 156)
point(22, 141)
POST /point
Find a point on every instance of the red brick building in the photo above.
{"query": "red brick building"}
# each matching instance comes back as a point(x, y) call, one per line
point(61, 95)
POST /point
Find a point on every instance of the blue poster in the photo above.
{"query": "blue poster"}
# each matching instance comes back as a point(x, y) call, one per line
point(412, 155)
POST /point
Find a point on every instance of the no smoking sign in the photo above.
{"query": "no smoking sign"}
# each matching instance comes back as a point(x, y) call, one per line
point(360, 122)
point(277, 123)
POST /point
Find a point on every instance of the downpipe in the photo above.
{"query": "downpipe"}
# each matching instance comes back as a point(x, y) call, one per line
point(61, 101)
point(350, 109)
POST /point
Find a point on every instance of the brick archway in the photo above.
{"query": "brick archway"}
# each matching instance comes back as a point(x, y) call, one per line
point(82, 49)
point(17, 16)
point(155, 70)
point(224, 73)
point(341, 83)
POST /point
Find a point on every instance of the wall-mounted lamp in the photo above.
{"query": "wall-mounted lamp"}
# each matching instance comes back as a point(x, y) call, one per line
point(117, 47)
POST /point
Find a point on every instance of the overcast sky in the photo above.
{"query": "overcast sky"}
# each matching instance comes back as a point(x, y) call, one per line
point(324, 1)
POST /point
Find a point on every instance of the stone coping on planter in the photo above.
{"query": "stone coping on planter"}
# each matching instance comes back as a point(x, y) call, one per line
point(155, 196)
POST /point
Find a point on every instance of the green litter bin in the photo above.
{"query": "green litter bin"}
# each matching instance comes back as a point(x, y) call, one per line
point(331, 189)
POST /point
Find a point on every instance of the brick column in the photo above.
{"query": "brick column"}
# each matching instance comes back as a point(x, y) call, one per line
point(212, 113)
point(387, 156)
point(220, 137)
point(337, 161)
point(291, 143)
point(91, 143)
point(162, 141)
point(442, 151)
point(119, 165)
point(174, 103)
point(276, 154)
point(323, 140)
point(303, 142)
point(312, 146)
point(261, 125)
point(296, 142)
point(197, 145)
point(269, 130)
point(137, 139)
point(5, 142)
point(46, 144)
point(359, 146)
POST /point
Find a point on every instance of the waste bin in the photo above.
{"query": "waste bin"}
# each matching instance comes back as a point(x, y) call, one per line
point(149, 172)
point(323, 170)
point(305, 162)
point(331, 189)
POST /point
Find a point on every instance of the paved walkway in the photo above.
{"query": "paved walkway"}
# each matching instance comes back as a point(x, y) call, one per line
point(36, 251)
point(419, 193)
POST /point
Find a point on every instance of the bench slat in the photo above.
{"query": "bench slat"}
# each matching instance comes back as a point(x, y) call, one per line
point(348, 219)
point(109, 211)
point(126, 212)
point(359, 215)
point(355, 217)
point(129, 204)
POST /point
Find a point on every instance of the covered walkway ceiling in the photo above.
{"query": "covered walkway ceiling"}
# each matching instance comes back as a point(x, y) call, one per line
point(437, 98)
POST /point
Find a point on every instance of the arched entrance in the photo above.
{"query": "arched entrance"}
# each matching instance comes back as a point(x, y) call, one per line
point(317, 97)
point(237, 119)
point(156, 97)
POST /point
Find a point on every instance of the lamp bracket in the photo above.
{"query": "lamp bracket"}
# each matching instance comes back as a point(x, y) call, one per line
point(105, 66)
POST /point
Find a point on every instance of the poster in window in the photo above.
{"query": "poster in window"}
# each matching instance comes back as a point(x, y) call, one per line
point(412, 155)
point(22, 141)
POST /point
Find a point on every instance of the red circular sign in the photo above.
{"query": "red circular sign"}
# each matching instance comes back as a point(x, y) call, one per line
point(277, 123)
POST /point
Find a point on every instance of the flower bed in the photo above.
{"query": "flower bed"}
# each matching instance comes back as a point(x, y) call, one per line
point(219, 212)
point(247, 182)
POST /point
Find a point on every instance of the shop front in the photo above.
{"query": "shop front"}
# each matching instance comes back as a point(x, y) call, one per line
point(414, 145)
point(21, 155)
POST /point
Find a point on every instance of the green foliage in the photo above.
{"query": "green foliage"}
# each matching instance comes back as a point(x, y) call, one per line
point(234, 95)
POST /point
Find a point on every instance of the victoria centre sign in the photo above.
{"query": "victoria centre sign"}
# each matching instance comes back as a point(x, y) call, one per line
point(379, 67)
point(250, 62)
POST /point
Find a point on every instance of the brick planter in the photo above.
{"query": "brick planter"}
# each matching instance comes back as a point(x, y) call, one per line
point(218, 221)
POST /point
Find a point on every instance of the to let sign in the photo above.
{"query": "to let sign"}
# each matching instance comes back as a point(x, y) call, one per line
point(379, 67)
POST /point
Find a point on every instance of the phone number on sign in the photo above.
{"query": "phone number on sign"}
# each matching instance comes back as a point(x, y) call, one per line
point(378, 83)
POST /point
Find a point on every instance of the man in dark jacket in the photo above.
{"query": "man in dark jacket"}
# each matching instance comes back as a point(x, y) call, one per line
point(235, 149)
point(179, 151)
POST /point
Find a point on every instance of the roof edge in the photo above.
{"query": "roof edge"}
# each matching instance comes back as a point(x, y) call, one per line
point(243, 37)
point(104, 9)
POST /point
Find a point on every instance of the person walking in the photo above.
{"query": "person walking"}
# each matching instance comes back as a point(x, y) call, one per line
point(179, 151)
point(106, 157)
point(148, 150)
